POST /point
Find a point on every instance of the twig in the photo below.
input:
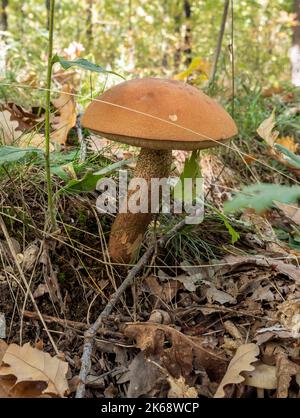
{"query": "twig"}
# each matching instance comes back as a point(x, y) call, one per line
point(72, 324)
point(14, 255)
point(219, 44)
point(91, 332)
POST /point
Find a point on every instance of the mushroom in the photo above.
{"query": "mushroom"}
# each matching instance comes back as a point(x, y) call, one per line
point(158, 115)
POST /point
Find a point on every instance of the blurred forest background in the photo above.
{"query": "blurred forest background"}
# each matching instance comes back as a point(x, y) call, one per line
point(160, 38)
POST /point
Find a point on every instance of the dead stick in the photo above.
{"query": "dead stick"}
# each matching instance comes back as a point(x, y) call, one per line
point(89, 335)
point(72, 324)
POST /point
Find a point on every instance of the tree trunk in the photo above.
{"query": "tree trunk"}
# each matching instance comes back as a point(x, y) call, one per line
point(219, 44)
point(177, 53)
point(89, 24)
point(3, 16)
point(295, 50)
point(188, 32)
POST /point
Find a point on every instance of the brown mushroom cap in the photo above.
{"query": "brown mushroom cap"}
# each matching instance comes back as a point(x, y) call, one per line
point(180, 104)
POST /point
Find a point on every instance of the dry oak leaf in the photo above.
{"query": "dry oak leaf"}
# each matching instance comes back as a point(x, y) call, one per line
point(9, 129)
point(242, 361)
point(66, 119)
point(179, 388)
point(285, 370)
point(184, 354)
point(15, 121)
point(27, 364)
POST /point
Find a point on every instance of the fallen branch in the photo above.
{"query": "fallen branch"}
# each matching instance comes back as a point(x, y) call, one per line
point(72, 324)
point(90, 334)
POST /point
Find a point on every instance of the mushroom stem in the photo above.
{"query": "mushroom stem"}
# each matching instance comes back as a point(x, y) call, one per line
point(129, 228)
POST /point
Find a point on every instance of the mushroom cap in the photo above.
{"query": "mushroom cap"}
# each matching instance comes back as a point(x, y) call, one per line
point(159, 114)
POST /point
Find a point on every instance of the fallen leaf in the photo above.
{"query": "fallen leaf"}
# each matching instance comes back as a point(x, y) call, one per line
point(262, 377)
point(265, 130)
point(33, 139)
point(143, 376)
point(288, 142)
point(3, 348)
point(285, 370)
point(289, 316)
point(9, 129)
point(179, 389)
point(245, 355)
point(164, 291)
point(290, 211)
point(29, 257)
point(66, 119)
point(178, 353)
point(27, 364)
point(215, 295)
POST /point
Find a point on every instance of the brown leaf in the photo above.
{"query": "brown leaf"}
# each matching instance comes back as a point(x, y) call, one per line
point(3, 348)
point(143, 375)
point(164, 291)
point(176, 352)
point(289, 316)
point(66, 119)
point(179, 389)
point(290, 211)
point(288, 142)
point(245, 355)
point(285, 370)
point(215, 295)
point(27, 364)
point(9, 129)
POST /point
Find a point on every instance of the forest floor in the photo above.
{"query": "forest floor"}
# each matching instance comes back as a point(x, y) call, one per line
point(213, 313)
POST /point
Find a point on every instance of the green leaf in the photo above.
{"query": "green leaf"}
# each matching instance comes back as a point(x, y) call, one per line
point(82, 63)
point(261, 196)
point(86, 184)
point(9, 154)
point(292, 159)
point(115, 166)
point(235, 236)
point(191, 170)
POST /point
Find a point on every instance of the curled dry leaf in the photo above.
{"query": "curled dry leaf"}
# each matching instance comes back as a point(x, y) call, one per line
point(178, 353)
point(36, 372)
point(289, 316)
point(66, 118)
point(285, 370)
point(245, 355)
point(179, 389)
point(265, 130)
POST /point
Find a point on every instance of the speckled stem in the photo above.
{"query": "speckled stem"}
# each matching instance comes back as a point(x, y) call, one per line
point(129, 228)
